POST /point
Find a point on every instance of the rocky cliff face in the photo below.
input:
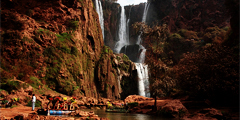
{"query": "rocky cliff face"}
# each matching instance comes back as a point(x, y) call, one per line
point(116, 75)
point(194, 15)
point(134, 14)
point(56, 43)
point(111, 16)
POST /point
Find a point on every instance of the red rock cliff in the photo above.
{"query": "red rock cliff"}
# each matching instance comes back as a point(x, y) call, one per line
point(54, 43)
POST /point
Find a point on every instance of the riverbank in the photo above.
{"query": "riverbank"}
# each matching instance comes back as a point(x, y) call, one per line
point(167, 107)
point(21, 112)
point(183, 108)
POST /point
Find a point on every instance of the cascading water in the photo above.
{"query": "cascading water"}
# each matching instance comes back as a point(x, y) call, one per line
point(128, 25)
point(100, 14)
point(123, 43)
point(143, 83)
point(122, 32)
point(142, 68)
point(143, 20)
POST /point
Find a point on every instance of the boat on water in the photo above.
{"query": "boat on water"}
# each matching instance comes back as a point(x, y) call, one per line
point(54, 112)
point(117, 110)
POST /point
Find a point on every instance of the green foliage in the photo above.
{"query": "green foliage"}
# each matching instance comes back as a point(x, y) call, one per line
point(125, 57)
point(188, 34)
point(49, 51)
point(213, 33)
point(64, 36)
point(73, 25)
point(175, 37)
point(133, 104)
point(10, 85)
point(118, 58)
point(4, 101)
point(74, 51)
point(43, 31)
point(124, 66)
point(64, 49)
point(35, 82)
point(13, 106)
point(27, 39)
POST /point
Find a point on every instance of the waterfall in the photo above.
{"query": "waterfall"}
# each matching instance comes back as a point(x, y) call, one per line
point(142, 69)
point(122, 32)
point(143, 83)
point(143, 20)
point(99, 10)
point(123, 43)
point(128, 25)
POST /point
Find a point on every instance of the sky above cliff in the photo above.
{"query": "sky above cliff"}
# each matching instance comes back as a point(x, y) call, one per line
point(130, 2)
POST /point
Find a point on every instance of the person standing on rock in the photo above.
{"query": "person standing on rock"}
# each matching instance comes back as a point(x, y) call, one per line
point(33, 102)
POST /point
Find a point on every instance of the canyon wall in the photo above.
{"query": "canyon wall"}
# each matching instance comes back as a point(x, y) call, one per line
point(195, 15)
point(111, 14)
point(59, 44)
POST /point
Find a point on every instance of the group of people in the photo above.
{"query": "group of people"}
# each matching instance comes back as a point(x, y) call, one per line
point(61, 103)
point(57, 103)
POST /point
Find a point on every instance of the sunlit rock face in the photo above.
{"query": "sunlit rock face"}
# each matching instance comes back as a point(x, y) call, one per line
point(59, 44)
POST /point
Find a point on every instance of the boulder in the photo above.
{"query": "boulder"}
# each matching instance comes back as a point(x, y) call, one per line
point(173, 108)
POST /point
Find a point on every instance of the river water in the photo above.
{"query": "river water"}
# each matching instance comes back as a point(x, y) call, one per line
point(125, 116)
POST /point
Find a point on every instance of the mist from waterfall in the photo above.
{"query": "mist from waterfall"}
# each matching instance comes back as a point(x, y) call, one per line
point(122, 32)
point(99, 10)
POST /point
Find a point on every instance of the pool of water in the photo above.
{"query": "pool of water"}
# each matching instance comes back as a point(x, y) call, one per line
point(126, 116)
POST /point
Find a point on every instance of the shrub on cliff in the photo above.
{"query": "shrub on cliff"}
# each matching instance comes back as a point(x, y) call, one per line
point(211, 73)
point(213, 34)
point(188, 34)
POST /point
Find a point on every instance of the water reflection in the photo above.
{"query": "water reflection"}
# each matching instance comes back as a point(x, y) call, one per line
point(126, 116)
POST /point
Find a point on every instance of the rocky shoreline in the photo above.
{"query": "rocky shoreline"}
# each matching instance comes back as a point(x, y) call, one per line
point(169, 108)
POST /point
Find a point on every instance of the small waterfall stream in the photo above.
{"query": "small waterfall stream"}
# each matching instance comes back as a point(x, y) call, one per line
point(122, 32)
point(128, 25)
point(99, 10)
point(143, 20)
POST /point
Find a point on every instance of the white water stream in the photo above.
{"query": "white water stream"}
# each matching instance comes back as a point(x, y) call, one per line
point(122, 32)
point(143, 20)
point(99, 10)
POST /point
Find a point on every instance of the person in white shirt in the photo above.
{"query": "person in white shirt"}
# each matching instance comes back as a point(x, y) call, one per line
point(33, 102)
